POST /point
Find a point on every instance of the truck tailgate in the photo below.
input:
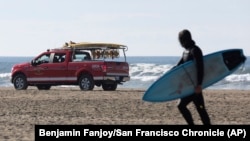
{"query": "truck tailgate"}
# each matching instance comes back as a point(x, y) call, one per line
point(117, 68)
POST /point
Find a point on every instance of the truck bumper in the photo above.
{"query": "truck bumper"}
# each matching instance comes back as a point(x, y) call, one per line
point(117, 78)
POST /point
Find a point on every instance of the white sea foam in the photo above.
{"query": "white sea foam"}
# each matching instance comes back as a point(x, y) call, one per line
point(4, 75)
point(238, 78)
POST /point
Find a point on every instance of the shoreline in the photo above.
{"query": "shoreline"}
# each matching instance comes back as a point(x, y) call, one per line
point(21, 110)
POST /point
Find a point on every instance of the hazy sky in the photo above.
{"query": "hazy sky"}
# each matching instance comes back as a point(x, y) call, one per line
point(147, 27)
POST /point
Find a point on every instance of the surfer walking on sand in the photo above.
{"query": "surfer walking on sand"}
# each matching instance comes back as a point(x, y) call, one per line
point(193, 52)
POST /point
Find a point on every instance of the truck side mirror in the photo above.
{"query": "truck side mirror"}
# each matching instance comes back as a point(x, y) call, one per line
point(33, 63)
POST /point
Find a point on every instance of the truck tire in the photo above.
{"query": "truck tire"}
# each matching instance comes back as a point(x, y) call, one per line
point(20, 82)
point(86, 82)
point(109, 86)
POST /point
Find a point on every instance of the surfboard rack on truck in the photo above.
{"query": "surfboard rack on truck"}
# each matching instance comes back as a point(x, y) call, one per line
point(82, 45)
point(98, 50)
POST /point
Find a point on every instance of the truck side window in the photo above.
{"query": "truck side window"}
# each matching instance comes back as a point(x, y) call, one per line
point(87, 57)
point(62, 59)
point(59, 58)
point(43, 59)
point(81, 56)
point(55, 59)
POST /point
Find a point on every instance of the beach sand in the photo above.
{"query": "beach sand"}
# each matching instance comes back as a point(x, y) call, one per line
point(21, 110)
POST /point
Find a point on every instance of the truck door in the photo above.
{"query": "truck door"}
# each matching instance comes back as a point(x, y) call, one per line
point(49, 68)
point(58, 68)
point(38, 72)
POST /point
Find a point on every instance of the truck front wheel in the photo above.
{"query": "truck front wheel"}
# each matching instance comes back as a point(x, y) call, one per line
point(20, 82)
point(86, 82)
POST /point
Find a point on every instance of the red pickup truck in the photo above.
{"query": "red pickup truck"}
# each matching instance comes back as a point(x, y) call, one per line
point(84, 64)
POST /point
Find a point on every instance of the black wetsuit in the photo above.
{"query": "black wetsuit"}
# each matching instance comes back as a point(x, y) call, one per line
point(194, 53)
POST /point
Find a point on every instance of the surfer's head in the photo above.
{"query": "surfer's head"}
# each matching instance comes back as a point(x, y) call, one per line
point(185, 38)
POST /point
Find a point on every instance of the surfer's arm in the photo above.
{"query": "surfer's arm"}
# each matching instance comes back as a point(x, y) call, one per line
point(198, 57)
point(180, 62)
point(198, 89)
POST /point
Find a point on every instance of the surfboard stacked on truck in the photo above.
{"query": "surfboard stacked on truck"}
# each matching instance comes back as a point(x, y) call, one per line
point(180, 81)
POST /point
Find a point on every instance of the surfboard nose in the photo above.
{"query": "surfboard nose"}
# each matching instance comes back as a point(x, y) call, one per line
point(234, 58)
point(244, 58)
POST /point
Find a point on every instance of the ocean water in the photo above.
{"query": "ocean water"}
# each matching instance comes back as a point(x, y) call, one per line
point(144, 71)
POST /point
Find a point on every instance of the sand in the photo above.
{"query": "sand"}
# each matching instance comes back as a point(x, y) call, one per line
point(21, 110)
